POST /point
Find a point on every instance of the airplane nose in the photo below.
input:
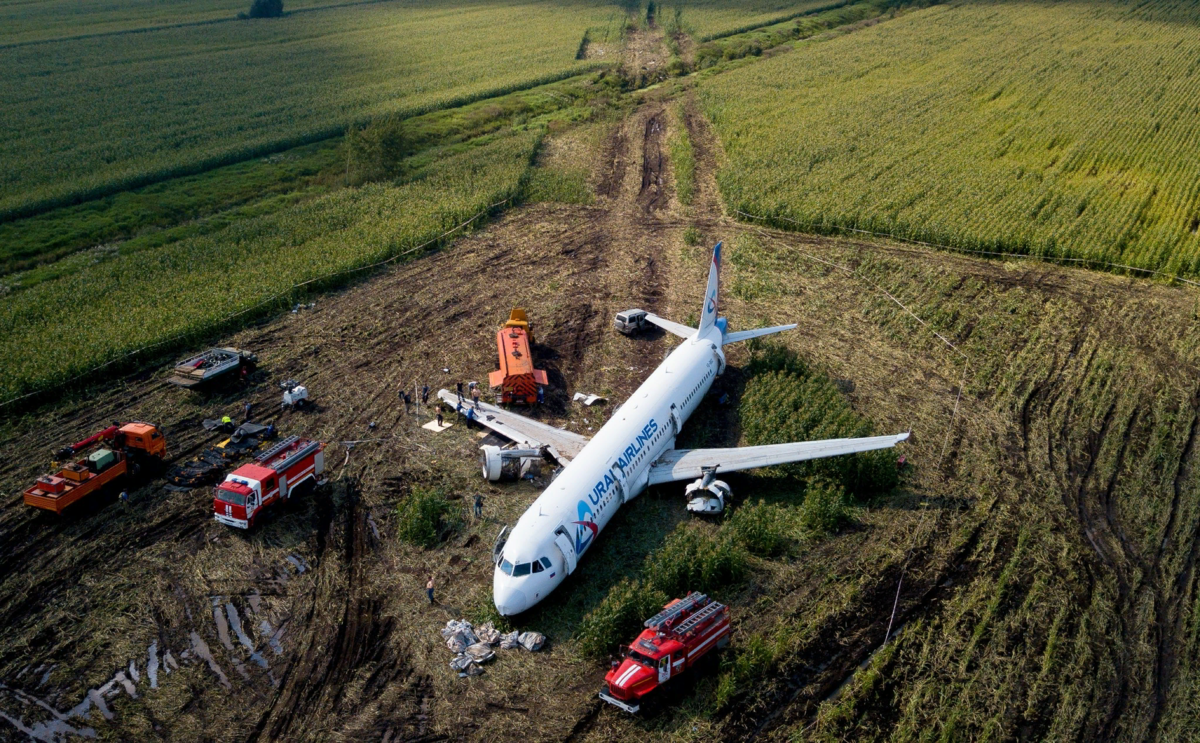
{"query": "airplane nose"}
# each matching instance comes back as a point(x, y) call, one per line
point(510, 601)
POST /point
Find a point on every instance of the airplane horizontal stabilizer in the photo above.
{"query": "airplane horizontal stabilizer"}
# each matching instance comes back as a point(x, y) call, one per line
point(688, 464)
point(678, 329)
point(745, 335)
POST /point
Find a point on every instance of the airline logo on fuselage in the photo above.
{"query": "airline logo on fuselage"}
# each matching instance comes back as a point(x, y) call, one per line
point(585, 531)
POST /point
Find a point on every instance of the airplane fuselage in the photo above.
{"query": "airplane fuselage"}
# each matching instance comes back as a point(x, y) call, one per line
point(613, 468)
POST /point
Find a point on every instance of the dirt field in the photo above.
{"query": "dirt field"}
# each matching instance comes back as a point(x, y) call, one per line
point(1037, 568)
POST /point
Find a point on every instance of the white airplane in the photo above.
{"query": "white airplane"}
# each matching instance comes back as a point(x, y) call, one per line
point(633, 450)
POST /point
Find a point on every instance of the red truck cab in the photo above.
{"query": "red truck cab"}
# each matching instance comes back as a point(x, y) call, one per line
point(252, 488)
point(672, 642)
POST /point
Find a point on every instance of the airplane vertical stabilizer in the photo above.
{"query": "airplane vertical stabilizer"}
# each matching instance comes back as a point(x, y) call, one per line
point(708, 315)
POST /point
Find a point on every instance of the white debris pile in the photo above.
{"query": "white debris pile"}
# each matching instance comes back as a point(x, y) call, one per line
point(472, 646)
point(589, 400)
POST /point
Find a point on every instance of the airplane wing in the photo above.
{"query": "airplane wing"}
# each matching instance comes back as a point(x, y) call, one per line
point(563, 445)
point(670, 326)
point(688, 464)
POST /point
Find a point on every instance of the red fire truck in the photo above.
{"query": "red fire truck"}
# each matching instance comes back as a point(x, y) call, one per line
point(671, 643)
point(275, 474)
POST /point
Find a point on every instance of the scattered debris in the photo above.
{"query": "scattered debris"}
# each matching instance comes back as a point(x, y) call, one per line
point(472, 646)
point(589, 400)
point(299, 562)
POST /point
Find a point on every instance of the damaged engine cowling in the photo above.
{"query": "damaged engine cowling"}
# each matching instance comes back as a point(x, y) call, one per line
point(707, 495)
point(509, 464)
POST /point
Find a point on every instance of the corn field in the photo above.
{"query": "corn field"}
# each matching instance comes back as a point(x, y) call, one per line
point(1067, 130)
point(43, 20)
point(711, 19)
point(84, 118)
point(107, 304)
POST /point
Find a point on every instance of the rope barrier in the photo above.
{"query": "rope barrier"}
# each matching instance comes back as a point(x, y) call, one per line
point(273, 298)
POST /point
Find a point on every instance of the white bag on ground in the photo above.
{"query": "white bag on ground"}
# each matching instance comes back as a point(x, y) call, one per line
point(509, 641)
point(480, 652)
point(532, 641)
point(488, 633)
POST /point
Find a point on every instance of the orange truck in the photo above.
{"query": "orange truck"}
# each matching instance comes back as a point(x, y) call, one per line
point(131, 445)
point(516, 378)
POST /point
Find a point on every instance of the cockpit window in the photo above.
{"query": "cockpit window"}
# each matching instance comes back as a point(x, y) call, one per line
point(519, 570)
point(506, 566)
point(537, 566)
point(546, 562)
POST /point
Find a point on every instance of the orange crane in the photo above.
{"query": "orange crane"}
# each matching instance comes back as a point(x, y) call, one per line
point(131, 444)
point(517, 379)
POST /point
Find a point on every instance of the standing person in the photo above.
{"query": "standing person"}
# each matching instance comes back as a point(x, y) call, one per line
point(439, 418)
point(470, 416)
point(478, 505)
point(541, 392)
point(460, 394)
point(475, 396)
point(424, 394)
point(246, 410)
point(124, 496)
point(407, 401)
point(429, 590)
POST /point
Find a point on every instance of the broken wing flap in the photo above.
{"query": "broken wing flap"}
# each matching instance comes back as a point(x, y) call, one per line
point(689, 464)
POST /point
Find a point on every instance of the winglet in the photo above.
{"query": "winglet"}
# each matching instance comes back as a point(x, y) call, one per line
point(708, 315)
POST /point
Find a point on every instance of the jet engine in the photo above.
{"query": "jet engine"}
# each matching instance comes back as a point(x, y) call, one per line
point(509, 464)
point(707, 495)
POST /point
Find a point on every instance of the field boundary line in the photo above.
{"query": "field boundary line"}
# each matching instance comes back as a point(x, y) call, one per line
point(274, 298)
point(1085, 262)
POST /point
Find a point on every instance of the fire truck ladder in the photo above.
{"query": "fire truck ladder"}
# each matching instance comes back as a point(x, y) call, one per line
point(689, 602)
point(275, 450)
point(699, 617)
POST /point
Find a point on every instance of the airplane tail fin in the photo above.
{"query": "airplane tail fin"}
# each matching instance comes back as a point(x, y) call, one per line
point(708, 315)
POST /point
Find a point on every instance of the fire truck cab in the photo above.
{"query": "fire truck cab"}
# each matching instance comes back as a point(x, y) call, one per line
point(672, 642)
point(252, 488)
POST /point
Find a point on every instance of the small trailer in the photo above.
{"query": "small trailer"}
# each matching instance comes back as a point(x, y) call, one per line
point(132, 445)
point(671, 643)
point(210, 365)
point(250, 490)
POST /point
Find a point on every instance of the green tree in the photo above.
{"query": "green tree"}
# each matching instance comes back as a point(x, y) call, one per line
point(266, 8)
